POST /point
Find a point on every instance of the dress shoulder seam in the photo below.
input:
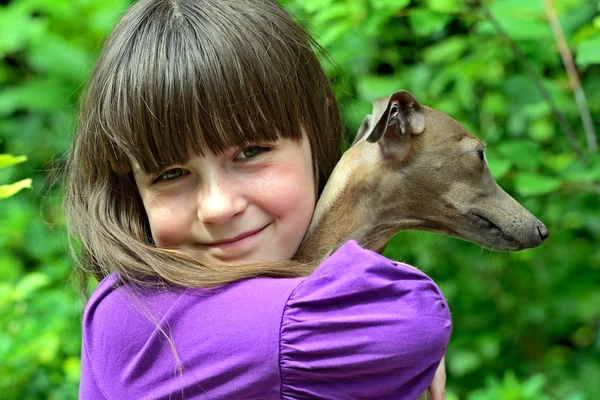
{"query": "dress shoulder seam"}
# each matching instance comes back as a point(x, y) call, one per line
point(283, 310)
point(92, 374)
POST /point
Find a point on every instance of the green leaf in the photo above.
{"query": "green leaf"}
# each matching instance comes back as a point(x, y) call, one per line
point(446, 6)
point(358, 111)
point(558, 162)
point(55, 56)
point(521, 90)
point(464, 362)
point(49, 347)
point(7, 294)
point(16, 29)
point(494, 104)
point(425, 22)
point(329, 14)
point(371, 87)
point(392, 5)
point(465, 93)
point(45, 95)
point(11, 266)
point(523, 153)
point(527, 184)
point(14, 188)
point(31, 283)
point(577, 172)
point(6, 160)
point(574, 16)
point(498, 166)
point(102, 16)
point(335, 32)
point(525, 9)
point(72, 368)
point(446, 51)
point(588, 51)
point(541, 130)
point(522, 20)
point(314, 5)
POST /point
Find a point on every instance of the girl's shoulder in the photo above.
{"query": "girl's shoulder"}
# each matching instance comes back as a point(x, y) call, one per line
point(267, 337)
point(351, 259)
point(226, 339)
point(364, 325)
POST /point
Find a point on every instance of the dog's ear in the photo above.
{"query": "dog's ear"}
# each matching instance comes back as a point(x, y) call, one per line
point(364, 128)
point(395, 119)
point(401, 111)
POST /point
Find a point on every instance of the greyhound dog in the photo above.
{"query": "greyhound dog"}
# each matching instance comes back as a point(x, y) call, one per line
point(413, 167)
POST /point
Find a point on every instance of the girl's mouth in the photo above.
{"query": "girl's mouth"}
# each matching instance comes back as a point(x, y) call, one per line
point(238, 241)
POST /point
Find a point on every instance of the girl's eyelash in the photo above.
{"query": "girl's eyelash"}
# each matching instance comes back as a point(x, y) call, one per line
point(159, 178)
point(260, 149)
point(183, 172)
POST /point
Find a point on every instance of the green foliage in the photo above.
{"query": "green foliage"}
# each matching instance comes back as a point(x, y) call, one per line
point(526, 324)
point(8, 190)
point(510, 388)
point(46, 51)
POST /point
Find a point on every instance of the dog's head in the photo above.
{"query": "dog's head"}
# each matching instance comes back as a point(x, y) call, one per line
point(432, 174)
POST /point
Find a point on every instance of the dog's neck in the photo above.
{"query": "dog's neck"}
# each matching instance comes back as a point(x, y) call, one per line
point(343, 214)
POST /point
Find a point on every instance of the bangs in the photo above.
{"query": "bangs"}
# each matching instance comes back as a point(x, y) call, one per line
point(182, 83)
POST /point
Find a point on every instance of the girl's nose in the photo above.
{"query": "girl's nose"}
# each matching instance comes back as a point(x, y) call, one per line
point(219, 202)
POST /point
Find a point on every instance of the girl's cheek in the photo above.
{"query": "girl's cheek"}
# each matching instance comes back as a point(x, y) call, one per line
point(284, 186)
point(168, 223)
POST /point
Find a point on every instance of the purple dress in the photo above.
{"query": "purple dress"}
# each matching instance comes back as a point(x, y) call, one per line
point(360, 327)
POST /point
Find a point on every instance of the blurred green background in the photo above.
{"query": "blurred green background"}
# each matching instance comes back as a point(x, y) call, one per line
point(526, 324)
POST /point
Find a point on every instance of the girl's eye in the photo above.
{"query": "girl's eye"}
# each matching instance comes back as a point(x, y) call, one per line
point(171, 174)
point(251, 152)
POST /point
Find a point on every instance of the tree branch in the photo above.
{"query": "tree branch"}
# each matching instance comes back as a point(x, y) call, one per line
point(562, 121)
point(567, 59)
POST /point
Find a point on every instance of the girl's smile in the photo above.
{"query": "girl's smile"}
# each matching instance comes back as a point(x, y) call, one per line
point(236, 240)
point(238, 247)
point(246, 205)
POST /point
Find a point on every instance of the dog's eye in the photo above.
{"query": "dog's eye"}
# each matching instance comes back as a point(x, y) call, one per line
point(481, 154)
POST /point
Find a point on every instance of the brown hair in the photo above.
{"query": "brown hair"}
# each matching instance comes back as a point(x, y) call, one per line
point(183, 77)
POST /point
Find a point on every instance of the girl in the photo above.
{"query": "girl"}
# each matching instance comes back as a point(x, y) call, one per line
point(206, 134)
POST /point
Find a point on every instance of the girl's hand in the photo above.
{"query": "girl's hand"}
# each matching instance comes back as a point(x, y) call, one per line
point(438, 385)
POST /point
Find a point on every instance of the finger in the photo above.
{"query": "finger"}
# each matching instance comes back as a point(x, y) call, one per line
point(438, 385)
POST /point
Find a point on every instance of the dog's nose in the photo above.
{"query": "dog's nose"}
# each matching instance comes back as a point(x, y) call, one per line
point(543, 231)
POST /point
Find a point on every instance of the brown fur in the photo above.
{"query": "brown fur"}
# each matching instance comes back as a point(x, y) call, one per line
point(429, 178)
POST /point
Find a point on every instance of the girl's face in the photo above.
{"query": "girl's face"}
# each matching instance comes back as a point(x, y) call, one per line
point(252, 204)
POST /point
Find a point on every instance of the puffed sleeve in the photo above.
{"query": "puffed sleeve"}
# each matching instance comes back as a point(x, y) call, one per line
point(360, 327)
